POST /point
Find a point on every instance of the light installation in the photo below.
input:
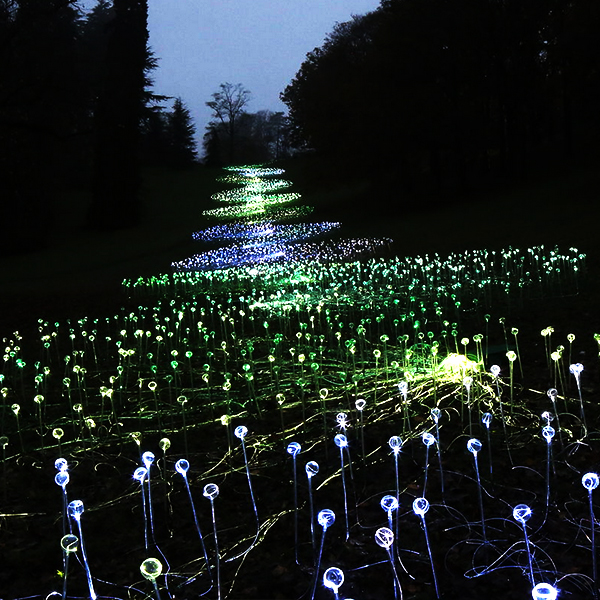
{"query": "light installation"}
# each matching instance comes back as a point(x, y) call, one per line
point(284, 348)
point(253, 235)
point(263, 232)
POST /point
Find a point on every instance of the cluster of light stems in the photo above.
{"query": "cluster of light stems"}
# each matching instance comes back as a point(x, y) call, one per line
point(458, 282)
point(263, 232)
point(228, 343)
point(215, 346)
point(156, 354)
point(326, 251)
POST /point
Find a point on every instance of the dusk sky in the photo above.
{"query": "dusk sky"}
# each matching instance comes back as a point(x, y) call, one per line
point(259, 43)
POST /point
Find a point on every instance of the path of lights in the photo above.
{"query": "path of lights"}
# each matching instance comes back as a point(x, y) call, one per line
point(254, 198)
point(281, 215)
point(469, 280)
point(256, 254)
point(253, 208)
point(249, 171)
point(264, 232)
point(253, 190)
point(267, 242)
point(303, 343)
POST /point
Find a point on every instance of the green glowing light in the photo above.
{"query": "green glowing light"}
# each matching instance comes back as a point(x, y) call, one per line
point(151, 568)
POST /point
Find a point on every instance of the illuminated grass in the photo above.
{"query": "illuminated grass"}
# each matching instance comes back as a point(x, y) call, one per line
point(283, 349)
point(263, 232)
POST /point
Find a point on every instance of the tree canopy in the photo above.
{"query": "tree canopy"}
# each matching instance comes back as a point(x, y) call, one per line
point(77, 111)
point(237, 136)
point(445, 94)
point(181, 136)
point(228, 105)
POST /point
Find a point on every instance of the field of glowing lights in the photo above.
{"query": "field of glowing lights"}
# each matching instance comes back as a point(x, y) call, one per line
point(290, 413)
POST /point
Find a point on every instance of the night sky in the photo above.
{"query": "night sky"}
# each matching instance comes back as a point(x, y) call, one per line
point(259, 43)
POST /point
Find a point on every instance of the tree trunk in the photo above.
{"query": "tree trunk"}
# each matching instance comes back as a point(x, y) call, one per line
point(116, 179)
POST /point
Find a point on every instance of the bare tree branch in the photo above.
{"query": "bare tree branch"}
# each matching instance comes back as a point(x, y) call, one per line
point(227, 105)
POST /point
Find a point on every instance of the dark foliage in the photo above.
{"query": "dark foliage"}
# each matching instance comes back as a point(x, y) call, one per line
point(259, 137)
point(76, 111)
point(212, 144)
point(40, 114)
point(119, 108)
point(448, 96)
point(181, 136)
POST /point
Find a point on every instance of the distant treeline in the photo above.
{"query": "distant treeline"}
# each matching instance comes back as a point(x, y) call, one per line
point(453, 95)
point(258, 137)
point(77, 111)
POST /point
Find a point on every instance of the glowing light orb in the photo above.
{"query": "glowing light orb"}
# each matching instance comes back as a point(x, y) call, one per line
point(389, 503)
point(241, 432)
point(474, 446)
point(420, 506)
point(211, 491)
point(454, 366)
point(340, 440)
point(395, 443)
point(326, 518)
point(428, 439)
point(62, 478)
point(384, 537)
point(544, 591)
point(548, 433)
point(69, 543)
point(333, 578)
point(182, 466)
point(140, 474)
point(151, 568)
point(522, 513)
point(293, 448)
point(590, 481)
point(311, 468)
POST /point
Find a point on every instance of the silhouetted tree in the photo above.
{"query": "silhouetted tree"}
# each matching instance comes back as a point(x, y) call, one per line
point(181, 136)
point(260, 136)
point(212, 146)
point(571, 50)
point(117, 119)
point(94, 41)
point(154, 141)
point(227, 106)
point(267, 133)
point(40, 112)
point(446, 94)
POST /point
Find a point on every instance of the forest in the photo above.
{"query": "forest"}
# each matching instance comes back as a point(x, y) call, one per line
point(452, 96)
point(77, 111)
point(214, 397)
point(440, 97)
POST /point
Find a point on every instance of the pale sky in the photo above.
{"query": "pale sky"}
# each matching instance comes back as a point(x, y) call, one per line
point(258, 43)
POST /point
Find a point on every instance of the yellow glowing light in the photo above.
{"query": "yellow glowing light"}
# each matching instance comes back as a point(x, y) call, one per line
point(455, 366)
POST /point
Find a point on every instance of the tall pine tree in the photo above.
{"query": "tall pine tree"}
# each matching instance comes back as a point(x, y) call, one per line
point(181, 136)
